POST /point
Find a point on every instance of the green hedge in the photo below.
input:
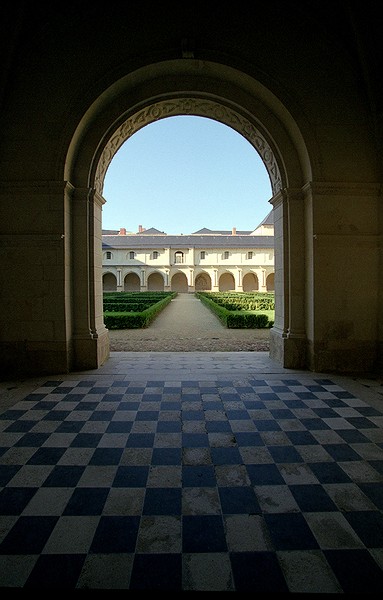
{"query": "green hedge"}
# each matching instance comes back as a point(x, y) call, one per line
point(154, 303)
point(247, 321)
point(128, 306)
point(253, 301)
point(239, 318)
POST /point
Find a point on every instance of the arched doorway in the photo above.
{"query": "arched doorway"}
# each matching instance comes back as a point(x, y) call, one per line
point(179, 283)
point(109, 282)
point(226, 282)
point(132, 283)
point(202, 282)
point(270, 285)
point(250, 282)
point(246, 112)
point(155, 282)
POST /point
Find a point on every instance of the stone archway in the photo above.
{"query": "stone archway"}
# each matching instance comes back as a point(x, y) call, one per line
point(179, 283)
point(218, 111)
point(132, 283)
point(196, 107)
point(109, 282)
point(226, 282)
point(270, 283)
point(202, 282)
point(155, 282)
point(232, 98)
point(250, 282)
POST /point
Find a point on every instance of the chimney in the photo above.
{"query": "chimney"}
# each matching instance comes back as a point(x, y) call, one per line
point(122, 231)
point(234, 231)
point(140, 229)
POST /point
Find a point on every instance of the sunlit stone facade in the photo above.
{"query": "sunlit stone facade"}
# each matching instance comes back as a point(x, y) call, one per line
point(205, 260)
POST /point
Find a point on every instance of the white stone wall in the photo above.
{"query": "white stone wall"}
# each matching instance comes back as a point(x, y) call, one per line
point(121, 273)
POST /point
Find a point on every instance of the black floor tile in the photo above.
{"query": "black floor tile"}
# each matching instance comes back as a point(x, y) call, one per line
point(56, 571)
point(28, 536)
point(157, 572)
point(257, 572)
point(356, 571)
point(115, 535)
point(163, 501)
point(203, 534)
point(238, 500)
point(290, 532)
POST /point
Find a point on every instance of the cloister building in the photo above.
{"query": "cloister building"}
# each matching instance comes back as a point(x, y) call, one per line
point(204, 260)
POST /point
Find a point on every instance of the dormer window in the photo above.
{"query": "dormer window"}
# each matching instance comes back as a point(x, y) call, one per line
point(155, 254)
point(108, 255)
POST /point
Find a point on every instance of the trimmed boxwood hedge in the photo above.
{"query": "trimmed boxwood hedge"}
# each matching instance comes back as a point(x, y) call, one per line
point(240, 317)
point(133, 310)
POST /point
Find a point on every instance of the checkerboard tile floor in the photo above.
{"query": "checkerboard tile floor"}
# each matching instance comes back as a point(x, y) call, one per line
point(240, 484)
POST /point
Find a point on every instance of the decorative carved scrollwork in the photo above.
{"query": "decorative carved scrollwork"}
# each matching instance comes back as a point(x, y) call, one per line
point(188, 106)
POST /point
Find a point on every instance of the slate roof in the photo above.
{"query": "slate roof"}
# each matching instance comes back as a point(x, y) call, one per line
point(141, 241)
point(152, 231)
point(206, 231)
point(268, 220)
point(204, 238)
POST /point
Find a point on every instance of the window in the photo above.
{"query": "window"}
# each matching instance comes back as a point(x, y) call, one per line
point(226, 254)
point(155, 254)
point(203, 254)
point(132, 254)
point(179, 257)
point(249, 255)
point(108, 255)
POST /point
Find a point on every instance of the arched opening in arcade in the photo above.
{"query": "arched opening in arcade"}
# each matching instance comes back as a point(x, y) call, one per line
point(244, 105)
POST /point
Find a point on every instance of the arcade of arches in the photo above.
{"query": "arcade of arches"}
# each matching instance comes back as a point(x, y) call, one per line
point(300, 87)
point(179, 283)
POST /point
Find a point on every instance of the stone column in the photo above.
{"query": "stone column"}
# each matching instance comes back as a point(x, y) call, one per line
point(167, 280)
point(191, 287)
point(215, 287)
point(262, 281)
point(239, 286)
point(343, 270)
point(120, 287)
point(90, 337)
point(287, 337)
point(143, 281)
point(36, 262)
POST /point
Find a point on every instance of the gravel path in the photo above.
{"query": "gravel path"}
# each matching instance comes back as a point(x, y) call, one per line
point(187, 325)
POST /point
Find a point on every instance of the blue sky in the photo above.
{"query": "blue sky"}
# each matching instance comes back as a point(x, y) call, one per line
point(183, 173)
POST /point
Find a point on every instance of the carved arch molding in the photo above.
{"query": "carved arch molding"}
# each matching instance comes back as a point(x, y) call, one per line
point(194, 107)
